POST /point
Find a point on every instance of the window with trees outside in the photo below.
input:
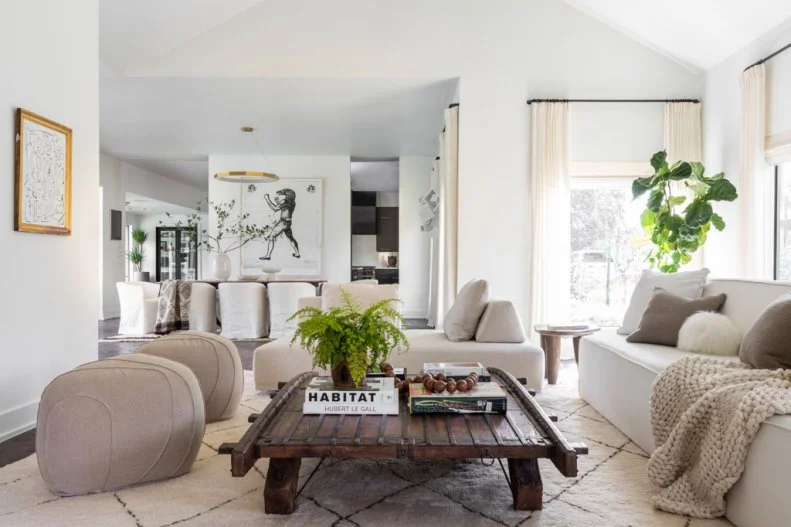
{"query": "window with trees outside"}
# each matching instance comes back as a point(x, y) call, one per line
point(608, 248)
point(783, 222)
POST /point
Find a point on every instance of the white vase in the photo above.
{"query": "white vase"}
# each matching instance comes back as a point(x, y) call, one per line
point(219, 267)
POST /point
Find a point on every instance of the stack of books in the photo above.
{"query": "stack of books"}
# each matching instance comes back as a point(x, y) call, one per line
point(375, 396)
point(457, 370)
point(487, 397)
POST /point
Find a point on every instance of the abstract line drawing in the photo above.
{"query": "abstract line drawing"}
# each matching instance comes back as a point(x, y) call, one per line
point(43, 175)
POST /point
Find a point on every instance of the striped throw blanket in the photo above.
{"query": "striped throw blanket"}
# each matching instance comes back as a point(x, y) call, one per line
point(174, 307)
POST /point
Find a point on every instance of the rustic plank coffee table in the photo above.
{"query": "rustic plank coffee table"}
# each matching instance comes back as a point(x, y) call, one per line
point(285, 435)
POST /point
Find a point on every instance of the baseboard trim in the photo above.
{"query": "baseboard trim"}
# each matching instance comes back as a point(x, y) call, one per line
point(18, 420)
point(414, 313)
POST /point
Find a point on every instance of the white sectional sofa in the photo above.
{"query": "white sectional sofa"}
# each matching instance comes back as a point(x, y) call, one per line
point(615, 377)
point(278, 361)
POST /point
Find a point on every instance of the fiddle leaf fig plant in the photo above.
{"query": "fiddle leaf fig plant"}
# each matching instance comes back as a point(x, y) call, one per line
point(679, 212)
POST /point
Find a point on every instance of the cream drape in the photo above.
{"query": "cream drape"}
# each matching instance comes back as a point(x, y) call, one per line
point(683, 138)
point(549, 210)
point(755, 179)
point(449, 160)
point(433, 285)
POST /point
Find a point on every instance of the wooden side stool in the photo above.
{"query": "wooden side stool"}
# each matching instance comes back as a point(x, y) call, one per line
point(550, 343)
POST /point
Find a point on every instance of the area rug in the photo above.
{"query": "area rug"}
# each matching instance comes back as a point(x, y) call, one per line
point(611, 490)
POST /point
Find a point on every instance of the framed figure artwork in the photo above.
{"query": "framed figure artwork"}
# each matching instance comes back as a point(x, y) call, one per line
point(42, 197)
point(290, 210)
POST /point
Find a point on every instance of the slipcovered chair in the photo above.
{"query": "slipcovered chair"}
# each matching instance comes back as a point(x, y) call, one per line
point(139, 303)
point(118, 422)
point(243, 310)
point(203, 307)
point(283, 303)
point(215, 362)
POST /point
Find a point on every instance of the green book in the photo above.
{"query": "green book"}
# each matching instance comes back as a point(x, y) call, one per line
point(487, 397)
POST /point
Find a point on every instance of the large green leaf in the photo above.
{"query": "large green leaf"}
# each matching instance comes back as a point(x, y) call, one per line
point(717, 221)
point(658, 160)
point(647, 219)
point(655, 200)
point(640, 186)
point(680, 171)
point(698, 213)
point(722, 190)
point(715, 177)
point(697, 169)
point(677, 200)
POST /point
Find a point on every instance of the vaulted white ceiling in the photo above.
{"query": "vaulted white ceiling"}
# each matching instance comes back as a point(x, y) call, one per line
point(697, 33)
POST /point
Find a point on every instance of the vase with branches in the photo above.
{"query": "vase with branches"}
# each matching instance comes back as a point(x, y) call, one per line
point(136, 254)
point(349, 340)
point(233, 231)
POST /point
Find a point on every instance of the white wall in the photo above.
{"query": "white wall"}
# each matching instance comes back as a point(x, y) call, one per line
point(334, 170)
point(113, 197)
point(615, 131)
point(48, 315)
point(503, 53)
point(364, 250)
point(116, 179)
point(413, 244)
point(721, 133)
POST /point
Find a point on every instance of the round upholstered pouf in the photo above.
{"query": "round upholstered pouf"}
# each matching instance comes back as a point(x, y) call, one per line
point(118, 422)
point(215, 362)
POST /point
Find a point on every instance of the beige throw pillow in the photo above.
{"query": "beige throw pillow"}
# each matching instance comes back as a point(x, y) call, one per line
point(500, 323)
point(462, 318)
point(666, 313)
point(767, 345)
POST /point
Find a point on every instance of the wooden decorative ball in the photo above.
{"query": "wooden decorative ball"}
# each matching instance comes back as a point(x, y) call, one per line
point(471, 383)
point(429, 383)
point(389, 373)
point(451, 386)
point(385, 366)
point(440, 376)
point(439, 386)
point(461, 385)
point(409, 380)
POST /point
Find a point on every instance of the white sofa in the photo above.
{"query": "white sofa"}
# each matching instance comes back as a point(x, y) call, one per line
point(279, 361)
point(615, 377)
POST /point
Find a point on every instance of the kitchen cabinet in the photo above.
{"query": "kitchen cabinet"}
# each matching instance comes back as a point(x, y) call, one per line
point(387, 229)
point(386, 276)
point(363, 220)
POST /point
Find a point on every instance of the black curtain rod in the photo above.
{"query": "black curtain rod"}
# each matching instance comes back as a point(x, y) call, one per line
point(531, 101)
point(773, 55)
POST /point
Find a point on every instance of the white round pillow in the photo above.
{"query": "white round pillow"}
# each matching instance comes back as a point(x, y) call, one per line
point(710, 333)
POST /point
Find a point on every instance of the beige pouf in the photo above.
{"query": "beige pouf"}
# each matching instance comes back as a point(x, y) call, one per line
point(215, 362)
point(118, 422)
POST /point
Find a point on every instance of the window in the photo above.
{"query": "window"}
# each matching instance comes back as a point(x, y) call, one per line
point(608, 248)
point(783, 222)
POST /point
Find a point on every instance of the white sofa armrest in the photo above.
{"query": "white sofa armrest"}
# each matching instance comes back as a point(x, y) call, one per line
point(309, 301)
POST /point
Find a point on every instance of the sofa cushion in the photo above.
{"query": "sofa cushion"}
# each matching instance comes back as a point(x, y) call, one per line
point(768, 343)
point(666, 313)
point(500, 323)
point(366, 294)
point(462, 318)
point(687, 284)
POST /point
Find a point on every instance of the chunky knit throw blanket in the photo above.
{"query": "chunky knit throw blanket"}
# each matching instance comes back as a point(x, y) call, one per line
point(173, 313)
point(704, 415)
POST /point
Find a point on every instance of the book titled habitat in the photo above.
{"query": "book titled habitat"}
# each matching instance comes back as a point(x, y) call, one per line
point(376, 396)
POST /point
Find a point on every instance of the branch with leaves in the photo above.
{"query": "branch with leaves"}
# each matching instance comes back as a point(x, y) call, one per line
point(675, 233)
point(361, 338)
point(234, 229)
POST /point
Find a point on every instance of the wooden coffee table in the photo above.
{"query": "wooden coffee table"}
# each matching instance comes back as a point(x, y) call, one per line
point(285, 435)
point(550, 343)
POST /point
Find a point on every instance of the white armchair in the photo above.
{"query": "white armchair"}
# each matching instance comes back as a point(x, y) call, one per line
point(203, 307)
point(139, 303)
point(243, 310)
point(284, 302)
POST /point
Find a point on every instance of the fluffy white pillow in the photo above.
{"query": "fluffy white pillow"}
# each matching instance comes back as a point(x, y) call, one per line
point(461, 320)
point(688, 284)
point(710, 333)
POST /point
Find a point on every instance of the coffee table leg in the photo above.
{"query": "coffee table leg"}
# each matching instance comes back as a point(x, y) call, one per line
point(526, 484)
point(551, 346)
point(280, 488)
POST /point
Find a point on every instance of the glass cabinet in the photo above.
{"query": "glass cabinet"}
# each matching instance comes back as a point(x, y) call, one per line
point(177, 254)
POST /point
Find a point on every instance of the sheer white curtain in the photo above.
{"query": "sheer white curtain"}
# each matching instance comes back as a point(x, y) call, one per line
point(433, 289)
point(683, 139)
point(548, 202)
point(449, 159)
point(439, 284)
point(755, 180)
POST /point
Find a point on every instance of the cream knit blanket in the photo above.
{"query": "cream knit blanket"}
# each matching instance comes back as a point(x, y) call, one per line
point(704, 415)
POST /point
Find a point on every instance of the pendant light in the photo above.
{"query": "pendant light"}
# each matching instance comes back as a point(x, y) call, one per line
point(247, 176)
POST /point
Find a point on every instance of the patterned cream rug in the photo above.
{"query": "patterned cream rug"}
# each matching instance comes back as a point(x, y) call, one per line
point(611, 490)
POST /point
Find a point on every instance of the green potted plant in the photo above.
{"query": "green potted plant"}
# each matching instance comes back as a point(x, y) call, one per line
point(348, 340)
point(137, 254)
point(675, 232)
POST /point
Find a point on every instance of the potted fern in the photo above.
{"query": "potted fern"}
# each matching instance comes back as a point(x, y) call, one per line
point(348, 340)
point(136, 255)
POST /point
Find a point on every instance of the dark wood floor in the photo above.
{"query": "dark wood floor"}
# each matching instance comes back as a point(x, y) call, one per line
point(23, 445)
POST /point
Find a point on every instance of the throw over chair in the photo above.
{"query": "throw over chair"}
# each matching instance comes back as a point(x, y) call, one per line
point(243, 310)
point(139, 302)
point(284, 302)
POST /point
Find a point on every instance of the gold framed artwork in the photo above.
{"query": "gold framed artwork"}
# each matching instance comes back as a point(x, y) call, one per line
point(42, 197)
